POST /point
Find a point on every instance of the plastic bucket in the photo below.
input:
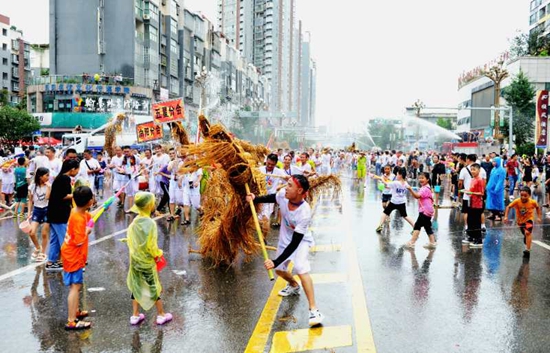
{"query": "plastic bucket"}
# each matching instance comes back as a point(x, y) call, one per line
point(437, 189)
point(161, 263)
point(25, 226)
point(381, 186)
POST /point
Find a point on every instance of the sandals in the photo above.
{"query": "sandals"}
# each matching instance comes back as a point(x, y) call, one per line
point(41, 257)
point(136, 320)
point(77, 325)
point(161, 320)
point(81, 314)
point(35, 253)
point(409, 245)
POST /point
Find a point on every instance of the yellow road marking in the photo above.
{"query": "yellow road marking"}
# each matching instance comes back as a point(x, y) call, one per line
point(326, 248)
point(261, 332)
point(310, 339)
point(324, 278)
point(363, 329)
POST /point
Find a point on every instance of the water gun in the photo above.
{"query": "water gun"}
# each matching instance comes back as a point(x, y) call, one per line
point(11, 160)
point(464, 191)
point(105, 207)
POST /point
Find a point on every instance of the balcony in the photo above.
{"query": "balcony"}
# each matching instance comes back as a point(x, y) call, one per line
point(14, 73)
point(139, 14)
point(5, 84)
point(163, 61)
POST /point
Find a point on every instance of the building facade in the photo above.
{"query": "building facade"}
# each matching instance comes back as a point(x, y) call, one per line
point(539, 17)
point(14, 60)
point(131, 53)
point(479, 92)
point(268, 34)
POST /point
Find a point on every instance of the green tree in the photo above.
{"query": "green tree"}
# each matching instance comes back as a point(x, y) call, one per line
point(445, 123)
point(16, 125)
point(381, 131)
point(4, 97)
point(519, 94)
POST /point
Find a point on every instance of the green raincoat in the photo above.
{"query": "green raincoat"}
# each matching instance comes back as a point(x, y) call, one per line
point(143, 280)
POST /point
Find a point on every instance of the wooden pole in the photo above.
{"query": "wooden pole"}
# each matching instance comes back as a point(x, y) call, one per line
point(259, 231)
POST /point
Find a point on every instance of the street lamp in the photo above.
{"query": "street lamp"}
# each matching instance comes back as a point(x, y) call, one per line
point(201, 79)
point(497, 74)
point(418, 106)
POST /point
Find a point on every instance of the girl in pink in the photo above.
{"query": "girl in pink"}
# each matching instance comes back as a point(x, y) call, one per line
point(425, 212)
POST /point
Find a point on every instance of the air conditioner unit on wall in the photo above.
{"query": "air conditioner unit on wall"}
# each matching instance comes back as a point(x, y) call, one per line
point(146, 16)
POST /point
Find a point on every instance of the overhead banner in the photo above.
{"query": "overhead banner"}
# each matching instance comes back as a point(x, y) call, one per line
point(168, 111)
point(541, 131)
point(149, 132)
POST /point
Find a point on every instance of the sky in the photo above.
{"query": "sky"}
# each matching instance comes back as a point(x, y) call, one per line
point(374, 58)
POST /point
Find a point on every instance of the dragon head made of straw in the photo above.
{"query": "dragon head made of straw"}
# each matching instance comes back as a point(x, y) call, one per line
point(114, 127)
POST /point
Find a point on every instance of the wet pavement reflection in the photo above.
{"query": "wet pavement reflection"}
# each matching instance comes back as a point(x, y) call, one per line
point(451, 299)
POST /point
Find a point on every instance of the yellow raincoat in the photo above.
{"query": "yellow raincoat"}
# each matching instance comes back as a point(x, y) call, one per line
point(143, 280)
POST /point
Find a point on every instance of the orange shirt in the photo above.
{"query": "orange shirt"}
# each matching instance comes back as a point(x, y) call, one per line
point(74, 251)
point(524, 211)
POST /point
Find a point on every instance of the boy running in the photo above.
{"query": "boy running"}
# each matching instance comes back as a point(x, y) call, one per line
point(525, 208)
point(294, 241)
point(398, 198)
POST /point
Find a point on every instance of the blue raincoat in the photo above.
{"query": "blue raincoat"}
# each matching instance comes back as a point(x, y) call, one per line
point(495, 187)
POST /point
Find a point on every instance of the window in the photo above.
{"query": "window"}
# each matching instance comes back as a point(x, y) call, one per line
point(4, 46)
point(4, 32)
point(533, 18)
point(153, 34)
point(4, 61)
point(4, 75)
point(174, 28)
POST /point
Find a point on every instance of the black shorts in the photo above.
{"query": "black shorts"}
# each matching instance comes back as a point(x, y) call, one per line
point(386, 198)
point(424, 221)
point(402, 208)
point(548, 189)
point(526, 226)
point(465, 206)
point(22, 192)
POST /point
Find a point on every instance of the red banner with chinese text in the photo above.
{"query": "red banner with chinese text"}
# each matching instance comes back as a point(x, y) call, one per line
point(168, 111)
point(541, 131)
point(149, 132)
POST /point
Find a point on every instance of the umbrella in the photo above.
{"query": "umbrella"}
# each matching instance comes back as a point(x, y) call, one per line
point(48, 141)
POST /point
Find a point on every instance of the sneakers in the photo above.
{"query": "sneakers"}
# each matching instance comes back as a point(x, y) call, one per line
point(526, 253)
point(161, 320)
point(465, 241)
point(136, 320)
point(289, 290)
point(379, 229)
point(315, 317)
point(476, 245)
point(483, 229)
point(430, 246)
point(54, 267)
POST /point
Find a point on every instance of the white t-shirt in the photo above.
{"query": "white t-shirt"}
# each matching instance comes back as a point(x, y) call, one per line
point(398, 192)
point(117, 161)
point(192, 178)
point(467, 179)
point(293, 221)
point(160, 162)
point(38, 195)
point(271, 181)
point(387, 191)
point(93, 164)
point(54, 166)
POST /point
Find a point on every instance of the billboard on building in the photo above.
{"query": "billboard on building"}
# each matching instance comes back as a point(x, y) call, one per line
point(541, 125)
point(484, 98)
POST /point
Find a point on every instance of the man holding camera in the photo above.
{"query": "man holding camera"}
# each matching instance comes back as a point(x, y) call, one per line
point(89, 168)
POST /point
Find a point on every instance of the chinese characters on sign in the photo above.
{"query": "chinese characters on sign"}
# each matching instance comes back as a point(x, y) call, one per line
point(542, 119)
point(149, 132)
point(164, 112)
point(106, 105)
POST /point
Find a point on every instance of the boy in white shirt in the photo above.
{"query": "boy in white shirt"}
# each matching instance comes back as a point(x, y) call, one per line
point(294, 241)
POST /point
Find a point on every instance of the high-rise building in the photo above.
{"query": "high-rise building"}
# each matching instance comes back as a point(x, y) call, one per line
point(539, 18)
point(308, 84)
point(268, 34)
point(136, 39)
point(14, 60)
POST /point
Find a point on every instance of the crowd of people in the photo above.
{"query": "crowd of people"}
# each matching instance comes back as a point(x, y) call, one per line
point(60, 193)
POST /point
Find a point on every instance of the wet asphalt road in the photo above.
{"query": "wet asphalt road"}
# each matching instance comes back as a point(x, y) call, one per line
point(449, 300)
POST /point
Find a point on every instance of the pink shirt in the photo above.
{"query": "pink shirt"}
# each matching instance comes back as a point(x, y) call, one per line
point(425, 202)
